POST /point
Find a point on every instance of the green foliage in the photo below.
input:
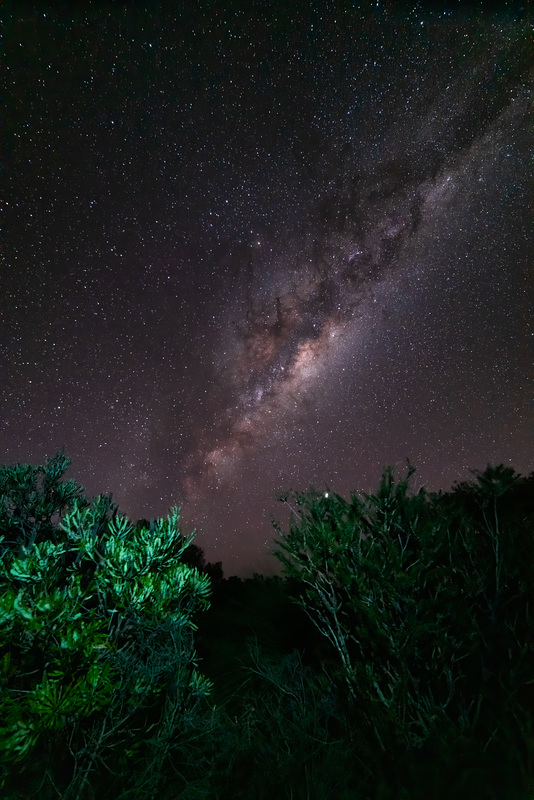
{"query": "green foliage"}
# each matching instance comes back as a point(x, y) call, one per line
point(427, 602)
point(96, 636)
point(32, 497)
point(404, 671)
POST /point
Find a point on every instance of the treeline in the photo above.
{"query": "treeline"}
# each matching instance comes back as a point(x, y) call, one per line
point(393, 658)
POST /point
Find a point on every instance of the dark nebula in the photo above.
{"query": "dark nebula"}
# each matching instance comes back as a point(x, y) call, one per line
point(252, 248)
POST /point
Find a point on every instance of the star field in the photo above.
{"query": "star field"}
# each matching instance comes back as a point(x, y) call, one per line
point(251, 248)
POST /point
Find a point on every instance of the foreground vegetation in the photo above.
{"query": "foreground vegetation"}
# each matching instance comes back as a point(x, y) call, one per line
point(394, 657)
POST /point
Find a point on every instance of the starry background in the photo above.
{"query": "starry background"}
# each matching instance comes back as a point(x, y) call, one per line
point(253, 247)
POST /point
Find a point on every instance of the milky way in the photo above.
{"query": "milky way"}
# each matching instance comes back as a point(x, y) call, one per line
point(359, 235)
point(254, 249)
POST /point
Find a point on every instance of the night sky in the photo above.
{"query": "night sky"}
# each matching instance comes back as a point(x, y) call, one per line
point(257, 246)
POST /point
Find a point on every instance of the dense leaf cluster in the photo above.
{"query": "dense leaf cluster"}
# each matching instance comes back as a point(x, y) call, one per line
point(96, 631)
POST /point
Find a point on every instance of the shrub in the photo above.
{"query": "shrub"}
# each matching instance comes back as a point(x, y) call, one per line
point(427, 602)
point(96, 634)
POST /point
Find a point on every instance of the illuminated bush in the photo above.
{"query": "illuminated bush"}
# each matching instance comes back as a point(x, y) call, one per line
point(96, 634)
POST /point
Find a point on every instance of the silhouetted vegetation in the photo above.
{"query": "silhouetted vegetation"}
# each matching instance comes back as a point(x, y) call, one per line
point(393, 658)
